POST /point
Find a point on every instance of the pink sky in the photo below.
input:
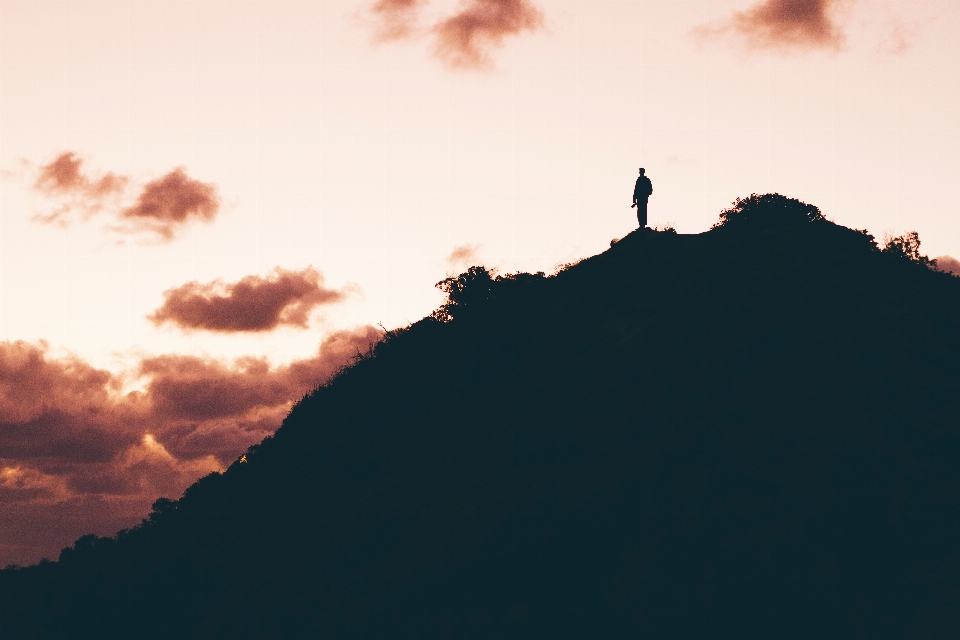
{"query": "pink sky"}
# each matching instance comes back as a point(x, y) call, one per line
point(195, 195)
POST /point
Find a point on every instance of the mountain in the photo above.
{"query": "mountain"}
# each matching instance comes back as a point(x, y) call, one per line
point(749, 432)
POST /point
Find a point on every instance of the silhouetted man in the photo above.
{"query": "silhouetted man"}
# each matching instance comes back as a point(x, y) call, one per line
point(641, 193)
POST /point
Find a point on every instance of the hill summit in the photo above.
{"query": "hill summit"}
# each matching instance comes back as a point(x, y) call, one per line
point(749, 432)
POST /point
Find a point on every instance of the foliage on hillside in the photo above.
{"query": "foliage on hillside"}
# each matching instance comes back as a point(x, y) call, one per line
point(748, 432)
point(768, 212)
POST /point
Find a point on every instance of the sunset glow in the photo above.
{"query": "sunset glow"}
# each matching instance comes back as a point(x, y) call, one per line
point(207, 207)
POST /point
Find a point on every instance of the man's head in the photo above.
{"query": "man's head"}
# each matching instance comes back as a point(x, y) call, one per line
point(642, 170)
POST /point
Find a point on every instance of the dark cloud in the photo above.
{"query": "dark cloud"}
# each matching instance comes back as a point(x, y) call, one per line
point(396, 19)
point(222, 438)
point(31, 529)
point(464, 39)
point(338, 349)
point(60, 410)
point(197, 389)
point(784, 24)
point(168, 203)
point(66, 426)
point(253, 304)
point(162, 207)
point(72, 441)
point(948, 264)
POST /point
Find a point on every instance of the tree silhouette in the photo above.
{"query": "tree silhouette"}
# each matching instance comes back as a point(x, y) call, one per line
point(907, 246)
point(767, 212)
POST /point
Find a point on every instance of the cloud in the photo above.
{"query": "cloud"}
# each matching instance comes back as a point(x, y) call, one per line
point(252, 304)
point(80, 455)
point(899, 38)
point(59, 410)
point(192, 388)
point(161, 207)
point(396, 19)
point(168, 203)
point(64, 178)
point(948, 264)
point(463, 256)
point(64, 175)
point(783, 24)
point(464, 39)
point(195, 389)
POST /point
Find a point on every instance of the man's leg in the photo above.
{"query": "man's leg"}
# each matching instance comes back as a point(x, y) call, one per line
point(642, 213)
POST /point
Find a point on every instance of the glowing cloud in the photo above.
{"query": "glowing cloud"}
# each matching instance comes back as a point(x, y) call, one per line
point(78, 455)
point(252, 304)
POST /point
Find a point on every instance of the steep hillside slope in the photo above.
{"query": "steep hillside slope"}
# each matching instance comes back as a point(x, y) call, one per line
point(750, 432)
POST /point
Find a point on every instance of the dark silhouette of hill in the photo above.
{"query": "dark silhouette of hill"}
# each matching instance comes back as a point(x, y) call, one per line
point(750, 432)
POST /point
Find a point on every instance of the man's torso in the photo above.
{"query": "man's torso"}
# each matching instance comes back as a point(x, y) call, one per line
point(643, 188)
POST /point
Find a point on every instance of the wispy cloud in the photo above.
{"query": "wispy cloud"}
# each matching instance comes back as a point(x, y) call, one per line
point(77, 454)
point(465, 39)
point(64, 175)
point(254, 303)
point(899, 37)
point(65, 180)
point(396, 19)
point(161, 207)
point(463, 256)
point(787, 24)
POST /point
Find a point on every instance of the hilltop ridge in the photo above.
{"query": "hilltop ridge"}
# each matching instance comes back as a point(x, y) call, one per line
point(745, 432)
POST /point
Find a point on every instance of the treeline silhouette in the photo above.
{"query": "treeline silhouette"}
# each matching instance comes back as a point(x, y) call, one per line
point(749, 432)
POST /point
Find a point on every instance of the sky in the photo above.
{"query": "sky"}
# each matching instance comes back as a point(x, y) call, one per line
point(208, 207)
